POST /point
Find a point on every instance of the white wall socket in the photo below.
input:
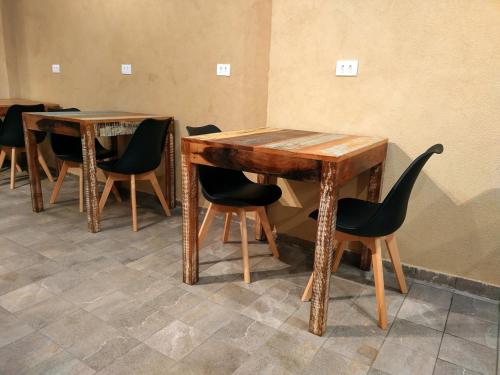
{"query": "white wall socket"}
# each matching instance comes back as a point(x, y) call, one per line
point(224, 70)
point(126, 69)
point(347, 68)
point(56, 68)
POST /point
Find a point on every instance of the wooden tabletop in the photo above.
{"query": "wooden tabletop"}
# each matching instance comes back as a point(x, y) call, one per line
point(298, 143)
point(5, 104)
point(95, 116)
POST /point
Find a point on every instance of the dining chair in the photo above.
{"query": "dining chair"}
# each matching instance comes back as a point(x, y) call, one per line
point(68, 150)
point(12, 139)
point(230, 191)
point(138, 163)
point(371, 223)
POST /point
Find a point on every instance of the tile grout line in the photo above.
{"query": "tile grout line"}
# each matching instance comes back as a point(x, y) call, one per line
point(442, 334)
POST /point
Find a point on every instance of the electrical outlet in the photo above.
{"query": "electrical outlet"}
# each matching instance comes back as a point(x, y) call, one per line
point(56, 68)
point(224, 70)
point(347, 68)
point(126, 69)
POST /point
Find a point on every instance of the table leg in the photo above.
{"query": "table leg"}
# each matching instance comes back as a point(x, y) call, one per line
point(170, 166)
point(327, 218)
point(90, 177)
point(374, 188)
point(33, 169)
point(189, 220)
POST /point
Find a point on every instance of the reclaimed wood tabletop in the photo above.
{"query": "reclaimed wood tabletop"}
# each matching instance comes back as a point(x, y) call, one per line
point(5, 104)
point(88, 125)
point(331, 159)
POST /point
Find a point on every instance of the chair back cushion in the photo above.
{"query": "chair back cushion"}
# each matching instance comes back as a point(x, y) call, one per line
point(11, 133)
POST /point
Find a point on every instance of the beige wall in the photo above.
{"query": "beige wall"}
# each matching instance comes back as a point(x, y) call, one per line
point(429, 73)
point(4, 81)
point(173, 47)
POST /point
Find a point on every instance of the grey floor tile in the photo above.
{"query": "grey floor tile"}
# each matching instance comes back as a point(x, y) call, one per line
point(415, 337)
point(12, 328)
point(46, 312)
point(476, 307)
point(269, 311)
point(61, 281)
point(61, 363)
point(468, 355)
point(215, 357)
point(88, 292)
point(234, 297)
point(176, 301)
point(208, 317)
point(24, 297)
point(328, 362)
point(427, 306)
point(397, 359)
point(447, 368)
point(176, 340)
point(142, 360)
point(473, 329)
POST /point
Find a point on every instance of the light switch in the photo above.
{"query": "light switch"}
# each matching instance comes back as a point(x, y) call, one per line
point(224, 70)
point(56, 68)
point(126, 69)
point(347, 68)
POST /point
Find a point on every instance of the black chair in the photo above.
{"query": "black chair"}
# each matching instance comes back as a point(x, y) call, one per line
point(69, 150)
point(139, 161)
point(370, 223)
point(12, 139)
point(230, 191)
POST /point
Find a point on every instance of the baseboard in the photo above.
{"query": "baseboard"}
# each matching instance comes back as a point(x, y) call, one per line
point(453, 282)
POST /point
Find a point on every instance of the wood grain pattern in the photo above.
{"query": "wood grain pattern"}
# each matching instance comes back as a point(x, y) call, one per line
point(327, 217)
point(5, 104)
point(190, 220)
point(101, 123)
point(33, 168)
point(332, 159)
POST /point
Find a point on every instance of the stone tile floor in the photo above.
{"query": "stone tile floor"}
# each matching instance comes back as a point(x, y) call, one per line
point(72, 302)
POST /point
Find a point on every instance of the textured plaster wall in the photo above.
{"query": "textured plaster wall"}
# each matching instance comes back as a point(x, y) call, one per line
point(173, 46)
point(429, 73)
point(4, 81)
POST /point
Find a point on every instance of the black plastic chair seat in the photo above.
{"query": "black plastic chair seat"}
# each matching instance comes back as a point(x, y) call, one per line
point(116, 166)
point(249, 194)
point(76, 156)
point(352, 214)
point(11, 131)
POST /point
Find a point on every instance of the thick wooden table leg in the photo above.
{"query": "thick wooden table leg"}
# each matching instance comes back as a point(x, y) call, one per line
point(90, 177)
point(189, 220)
point(324, 248)
point(374, 188)
point(33, 169)
point(170, 166)
point(259, 230)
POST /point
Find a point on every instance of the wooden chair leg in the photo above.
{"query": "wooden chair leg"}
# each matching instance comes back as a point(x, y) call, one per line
point(227, 226)
point(244, 245)
point(18, 168)
point(267, 230)
point(209, 216)
point(378, 274)
point(105, 194)
point(393, 250)
point(80, 189)
point(44, 166)
point(3, 154)
point(159, 193)
point(59, 182)
point(133, 201)
point(338, 255)
point(13, 168)
point(306, 296)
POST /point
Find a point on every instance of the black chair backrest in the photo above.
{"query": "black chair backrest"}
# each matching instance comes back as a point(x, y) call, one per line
point(213, 179)
point(145, 149)
point(65, 144)
point(392, 212)
point(12, 133)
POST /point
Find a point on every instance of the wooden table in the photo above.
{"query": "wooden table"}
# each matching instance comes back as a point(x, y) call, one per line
point(5, 104)
point(89, 125)
point(331, 159)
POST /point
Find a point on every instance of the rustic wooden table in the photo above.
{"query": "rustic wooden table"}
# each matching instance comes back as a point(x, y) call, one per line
point(89, 125)
point(5, 104)
point(331, 159)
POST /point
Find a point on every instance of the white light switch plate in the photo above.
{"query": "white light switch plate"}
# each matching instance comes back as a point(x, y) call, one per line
point(224, 70)
point(56, 68)
point(126, 69)
point(347, 68)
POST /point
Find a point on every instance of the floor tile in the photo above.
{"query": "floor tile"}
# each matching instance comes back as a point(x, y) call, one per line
point(234, 297)
point(397, 359)
point(327, 362)
point(60, 363)
point(415, 337)
point(46, 312)
point(468, 355)
point(12, 328)
point(269, 311)
point(479, 308)
point(472, 329)
point(447, 368)
point(176, 340)
point(24, 297)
